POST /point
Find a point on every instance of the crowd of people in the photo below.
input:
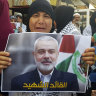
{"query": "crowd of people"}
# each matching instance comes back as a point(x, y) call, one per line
point(43, 19)
point(17, 23)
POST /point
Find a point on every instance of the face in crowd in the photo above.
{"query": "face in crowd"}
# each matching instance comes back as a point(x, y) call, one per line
point(12, 20)
point(46, 54)
point(19, 19)
point(77, 18)
point(40, 22)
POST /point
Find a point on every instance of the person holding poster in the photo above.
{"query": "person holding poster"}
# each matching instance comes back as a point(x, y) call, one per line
point(88, 55)
point(37, 24)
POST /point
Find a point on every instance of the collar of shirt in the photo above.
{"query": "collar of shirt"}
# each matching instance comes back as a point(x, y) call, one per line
point(46, 77)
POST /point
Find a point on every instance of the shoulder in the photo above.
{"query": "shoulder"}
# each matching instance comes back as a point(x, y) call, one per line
point(70, 78)
point(23, 76)
point(66, 75)
point(19, 81)
point(69, 75)
point(88, 27)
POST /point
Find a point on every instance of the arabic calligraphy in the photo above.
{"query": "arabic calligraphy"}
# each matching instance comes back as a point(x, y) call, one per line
point(59, 85)
point(45, 85)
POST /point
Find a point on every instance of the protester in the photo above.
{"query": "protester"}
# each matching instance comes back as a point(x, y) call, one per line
point(63, 18)
point(43, 14)
point(76, 21)
point(12, 18)
point(20, 26)
point(13, 22)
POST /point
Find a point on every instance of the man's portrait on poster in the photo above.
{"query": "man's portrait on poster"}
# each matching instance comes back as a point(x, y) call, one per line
point(45, 62)
point(45, 77)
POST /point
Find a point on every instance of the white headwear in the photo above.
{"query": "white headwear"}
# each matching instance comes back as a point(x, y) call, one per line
point(19, 14)
point(76, 14)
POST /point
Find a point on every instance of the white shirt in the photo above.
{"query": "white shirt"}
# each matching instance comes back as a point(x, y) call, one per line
point(24, 28)
point(87, 31)
point(46, 77)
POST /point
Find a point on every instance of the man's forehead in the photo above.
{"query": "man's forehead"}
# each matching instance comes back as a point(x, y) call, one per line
point(49, 49)
point(77, 16)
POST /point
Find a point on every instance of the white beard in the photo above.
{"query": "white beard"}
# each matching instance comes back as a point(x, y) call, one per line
point(43, 67)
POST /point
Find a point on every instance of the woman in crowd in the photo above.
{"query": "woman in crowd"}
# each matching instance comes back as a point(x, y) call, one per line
point(63, 18)
point(41, 19)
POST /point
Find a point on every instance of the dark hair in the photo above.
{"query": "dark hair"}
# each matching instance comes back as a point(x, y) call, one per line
point(43, 6)
point(63, 15)
point(93, 23)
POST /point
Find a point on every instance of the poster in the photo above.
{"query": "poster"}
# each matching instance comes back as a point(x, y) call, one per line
point(70, 49)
